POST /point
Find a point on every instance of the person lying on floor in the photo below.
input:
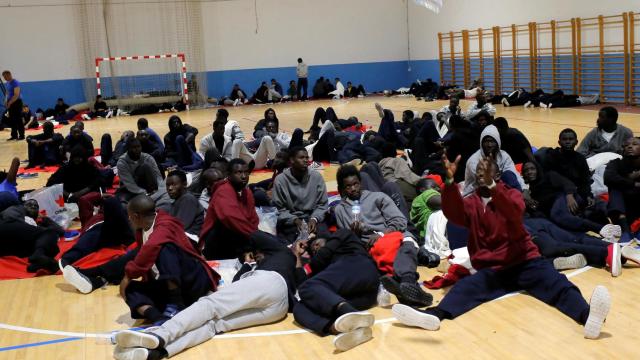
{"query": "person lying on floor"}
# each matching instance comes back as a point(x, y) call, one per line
point(44, 149)
point(262, 292)
point(25, 233)
point(378, 222)
point(505, 257)
point(332, 302)
point(174, 275)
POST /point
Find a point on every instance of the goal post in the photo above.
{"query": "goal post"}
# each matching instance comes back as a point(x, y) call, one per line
point(138, 89)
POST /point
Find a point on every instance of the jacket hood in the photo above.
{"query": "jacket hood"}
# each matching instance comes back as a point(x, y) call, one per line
point(491, 131)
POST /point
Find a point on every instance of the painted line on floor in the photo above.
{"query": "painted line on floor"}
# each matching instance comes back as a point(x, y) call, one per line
point(73, 336)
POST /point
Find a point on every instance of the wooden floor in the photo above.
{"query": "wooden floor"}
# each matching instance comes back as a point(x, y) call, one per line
point(44, 318)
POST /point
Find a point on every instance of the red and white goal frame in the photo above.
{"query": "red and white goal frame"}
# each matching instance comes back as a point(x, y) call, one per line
point(183, 69)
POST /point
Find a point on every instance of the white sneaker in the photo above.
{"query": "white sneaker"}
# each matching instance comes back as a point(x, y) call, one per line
point(599, 307)
point(611, 232)
point(120, 353)
point(236, 102)
point(78, 280)
point(576, 261)
point(349, 340)
point(49, 118)
point(527, 104)
point(384, 297)
point(109, 114)
point(411, 317)
point(316, 166)
point(505, 102)
point(86, 117)
point(616, 261)
point(407, 156)
point(631, 251)
point(354, 320)
point(132, 339)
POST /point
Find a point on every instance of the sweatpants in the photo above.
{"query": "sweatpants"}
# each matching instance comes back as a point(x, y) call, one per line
point(562, 216)
point(627, 203)
point(112, 270)
point(144, 178)
point(553, 241)
point(536, 276)
point(321, 294)
point(174, 265)
point(259, 297)
point(265, 152)
point(21, 239)
point(397, 256)
point(303, 85)
point(187, 158)
point(47, 154)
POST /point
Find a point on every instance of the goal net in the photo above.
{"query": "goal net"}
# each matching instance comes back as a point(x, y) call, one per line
point(136, 81)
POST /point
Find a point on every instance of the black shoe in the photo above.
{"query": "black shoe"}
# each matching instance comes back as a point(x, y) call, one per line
point(21, 138)
point(413, 295)
point(12, 138)
point(428, 259)
point(391, 285)
point(37, 262)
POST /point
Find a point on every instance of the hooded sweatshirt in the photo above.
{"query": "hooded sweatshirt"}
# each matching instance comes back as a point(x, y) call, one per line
point(126, 170)
point(378, 213)
point(503, 160)
point(300, 199)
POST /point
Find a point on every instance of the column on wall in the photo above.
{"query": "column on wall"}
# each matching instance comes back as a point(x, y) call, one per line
point(634, 59)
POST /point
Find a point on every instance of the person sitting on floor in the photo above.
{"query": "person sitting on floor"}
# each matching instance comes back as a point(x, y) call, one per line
point(77, 177)
point(9, 186)
point(139, 174)
point(262, 292)
point(231, 216)
point(25, 233)
point(332, 302)
point(179, 146)
point(109, 155)
point(376, 219)
point(185, 206)
point(210, 177)
point(300, 195)
point(622, 177)
point(75, 138)
point(174, 275)
point(100, 109)
point(426, 203)
point(28, 119)
point(260, 129)
point(143, 124)
point(514, 142)
point(481, 104)
point(236, 97)
point(608, 137)
point(505, 257)
point(44, 149)
point(149, 146)
point(489, 147)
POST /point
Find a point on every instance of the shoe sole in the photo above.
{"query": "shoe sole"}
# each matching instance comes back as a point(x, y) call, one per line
point(576, 261)
point(352, 321)
point(415, 295)
point(75, 278)
point(599, 307)
point(616, 261)
point(611, 232)
point(629, 254)
point(120, 353)
point(414, 318)
point(132, 339)
point(349, 340)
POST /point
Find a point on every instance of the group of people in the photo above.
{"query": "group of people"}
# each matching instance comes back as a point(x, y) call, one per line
point(327, 263)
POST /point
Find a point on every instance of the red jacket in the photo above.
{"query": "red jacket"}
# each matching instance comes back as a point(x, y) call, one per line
point(497, 237)
point(166, 229)
point(235, 212)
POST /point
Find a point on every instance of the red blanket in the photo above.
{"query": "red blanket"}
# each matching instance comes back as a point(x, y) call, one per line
point(39, 128)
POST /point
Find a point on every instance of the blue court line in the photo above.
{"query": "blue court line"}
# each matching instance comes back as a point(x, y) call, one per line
point(41, 343)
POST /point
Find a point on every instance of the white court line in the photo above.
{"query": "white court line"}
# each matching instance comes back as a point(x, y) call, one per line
point(224, 336)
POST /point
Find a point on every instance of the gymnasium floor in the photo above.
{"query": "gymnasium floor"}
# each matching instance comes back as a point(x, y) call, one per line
point(44, 318)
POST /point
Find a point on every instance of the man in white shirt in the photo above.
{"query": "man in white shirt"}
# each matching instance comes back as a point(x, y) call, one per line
point(338, 93)
point(302, 71)
point(481, 104)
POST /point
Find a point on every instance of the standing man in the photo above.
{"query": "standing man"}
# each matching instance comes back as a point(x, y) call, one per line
point(14, 104)
point(303, 73)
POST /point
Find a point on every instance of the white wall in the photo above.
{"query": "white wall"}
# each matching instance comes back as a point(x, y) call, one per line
point(458, 15)
point(40, 37)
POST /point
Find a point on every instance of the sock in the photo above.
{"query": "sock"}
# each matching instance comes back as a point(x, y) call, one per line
point(97, 282)
point(437, 312)
point(157, 354)
point(344, 308)
point(152, 314)
point(174, 296)
point(91, 272)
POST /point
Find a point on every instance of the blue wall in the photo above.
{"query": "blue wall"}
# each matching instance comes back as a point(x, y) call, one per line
point(374, 76)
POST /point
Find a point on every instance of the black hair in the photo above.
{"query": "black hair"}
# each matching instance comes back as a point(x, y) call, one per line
point(295, 150)
point(408, 113)
point(389, 150)
point(273, 80)
point(174, 117)
point(223, 113)
point(299, 60)
point(218, 123)
point(610, 112)
point(132, 141)
point(568, 130)
point(423, 182)
point(234, 162)
point(143, 122)
point(344, 172)
point(501, 123)
point(427, 115)
point(178, 173)
point(60, 99)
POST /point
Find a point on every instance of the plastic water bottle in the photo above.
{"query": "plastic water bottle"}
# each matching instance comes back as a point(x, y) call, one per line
point(304, 231)
point(355, 210)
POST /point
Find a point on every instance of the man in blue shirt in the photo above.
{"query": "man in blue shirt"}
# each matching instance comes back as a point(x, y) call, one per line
point(13, 103)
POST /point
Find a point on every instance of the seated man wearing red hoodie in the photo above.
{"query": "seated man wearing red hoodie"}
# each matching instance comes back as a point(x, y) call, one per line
point(505, 257)
point(173, 274)
point(231, 216)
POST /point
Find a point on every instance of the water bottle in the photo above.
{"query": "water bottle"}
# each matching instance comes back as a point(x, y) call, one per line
point(304, 231)
point(355, 210)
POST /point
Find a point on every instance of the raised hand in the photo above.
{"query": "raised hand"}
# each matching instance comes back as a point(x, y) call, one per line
point(450, 167)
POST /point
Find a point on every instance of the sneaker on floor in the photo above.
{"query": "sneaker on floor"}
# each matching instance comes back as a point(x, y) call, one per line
point(415, 318)
point(527, 104)
point(505, 102)
point(599, 306)
point(354, 320)
point(120, 353)
point(316, 166)
point(78, 280)
point(86, 117)
point(412, 294)
point(391, 285)
point(133, 339)
point(631, 251)
point(349, 340)
point(543, 105)
point(614, 260)
point(611, 232)
point(576, 261)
